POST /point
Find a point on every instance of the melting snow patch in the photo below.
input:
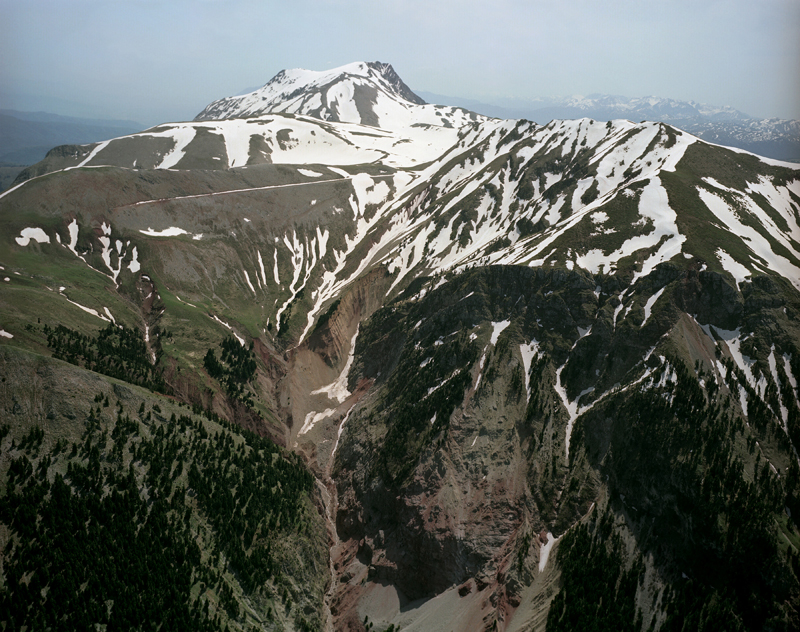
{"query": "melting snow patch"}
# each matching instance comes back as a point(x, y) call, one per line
point(736, 269)
point(247, 278)
point(134, 266)
point(544, 551)
point(787, 360)
point(367, 191)
point(338, 389)
point(754, 240)
point(617, 310)
point(649, 304)
point(310, 174)
point(529, 352)
point(261, 265)
point(734, 341)
point(743, 399)
point(498, 329)
point(37, 234)
point(312, 418)
point(88, 310)
point(275, 269)
point(226, 325)
point(773, 369)
point(172, 231)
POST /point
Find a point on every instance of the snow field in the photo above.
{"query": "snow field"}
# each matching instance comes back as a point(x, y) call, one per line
point(756, 242)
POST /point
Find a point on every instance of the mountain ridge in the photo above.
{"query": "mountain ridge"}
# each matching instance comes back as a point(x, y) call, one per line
point(773, 137)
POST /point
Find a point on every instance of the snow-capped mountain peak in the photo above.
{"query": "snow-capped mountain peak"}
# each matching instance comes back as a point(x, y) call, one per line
point(369, 93)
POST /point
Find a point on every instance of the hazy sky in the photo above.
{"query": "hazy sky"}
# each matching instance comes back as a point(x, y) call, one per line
point(158, 60)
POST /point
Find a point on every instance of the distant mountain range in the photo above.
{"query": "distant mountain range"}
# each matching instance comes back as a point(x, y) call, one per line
point(26, 137)
point(723, 125)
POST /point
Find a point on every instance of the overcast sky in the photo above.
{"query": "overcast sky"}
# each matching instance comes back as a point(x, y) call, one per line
point(157, 60)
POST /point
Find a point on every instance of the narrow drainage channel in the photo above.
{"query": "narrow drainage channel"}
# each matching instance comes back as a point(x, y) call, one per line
point(330, 498)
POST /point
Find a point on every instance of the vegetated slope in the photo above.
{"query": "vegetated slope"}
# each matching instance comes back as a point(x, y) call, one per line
point(124, 509)
point(499, 347)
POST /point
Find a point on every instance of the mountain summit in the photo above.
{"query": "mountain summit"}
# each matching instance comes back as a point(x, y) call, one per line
point(522, 377)
point(369, 93)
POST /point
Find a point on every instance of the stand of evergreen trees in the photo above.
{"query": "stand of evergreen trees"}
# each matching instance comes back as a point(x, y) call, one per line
point(707, 512)
point(144, 523)
point(116, 351)
point(235, 369)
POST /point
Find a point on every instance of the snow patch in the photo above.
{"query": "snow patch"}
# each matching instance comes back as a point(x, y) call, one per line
point(313, 417)
point(261, 265)
point(649, 304)
point(337, 389)
point(733, 267)
point(544, 551)
point(497, 329)
point(247, 278)
point(134, 265)
point(172, 231)
point(37, 234)
point(227, 326)
point(529, 352)
point(309, 173)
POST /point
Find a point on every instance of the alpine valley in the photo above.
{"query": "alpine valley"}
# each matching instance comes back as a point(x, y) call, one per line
point(329, 357)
